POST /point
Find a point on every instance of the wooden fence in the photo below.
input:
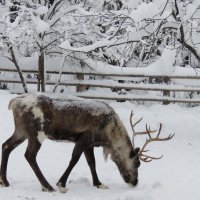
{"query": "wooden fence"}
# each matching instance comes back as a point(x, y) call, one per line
point(168, 91)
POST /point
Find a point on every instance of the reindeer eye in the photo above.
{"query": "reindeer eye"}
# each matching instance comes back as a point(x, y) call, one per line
point(137, 164)
point(132, 154)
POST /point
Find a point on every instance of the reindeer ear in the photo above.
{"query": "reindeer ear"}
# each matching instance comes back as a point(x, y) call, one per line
point(137, 150)
point(134, 152)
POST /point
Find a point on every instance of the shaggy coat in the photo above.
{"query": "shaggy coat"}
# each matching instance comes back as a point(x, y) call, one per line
point(87, 123)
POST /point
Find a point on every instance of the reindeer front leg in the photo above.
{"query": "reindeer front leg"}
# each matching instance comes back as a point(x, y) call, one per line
point(76, 154)
point(89, 154)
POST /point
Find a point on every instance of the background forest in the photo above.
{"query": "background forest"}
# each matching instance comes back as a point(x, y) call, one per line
point(90, 33)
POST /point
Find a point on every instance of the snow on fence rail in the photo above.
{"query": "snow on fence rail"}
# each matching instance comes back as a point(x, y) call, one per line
point(167, 87)
point(130, 75)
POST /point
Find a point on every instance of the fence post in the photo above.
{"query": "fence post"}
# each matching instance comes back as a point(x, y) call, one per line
point(166, 93)
point(80, 88)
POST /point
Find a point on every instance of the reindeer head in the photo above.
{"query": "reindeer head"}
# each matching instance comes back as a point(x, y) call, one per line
point(127, 160)
point(128, 164)
point(131, 175)
point(134, 156)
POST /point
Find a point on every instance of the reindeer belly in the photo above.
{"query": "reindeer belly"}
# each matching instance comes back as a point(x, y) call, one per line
point(63, 135)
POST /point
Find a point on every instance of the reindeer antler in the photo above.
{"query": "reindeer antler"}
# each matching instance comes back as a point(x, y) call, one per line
point(142, 155)
point(133, 125)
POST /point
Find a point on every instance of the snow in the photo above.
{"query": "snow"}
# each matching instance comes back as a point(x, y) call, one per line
point(175, 176)
point(191, 9)
point(144, 11)
point(59, 102)
point(104, 43)
point(130, 4)
point(42, 10)
point(41, 25)
point(164, 65)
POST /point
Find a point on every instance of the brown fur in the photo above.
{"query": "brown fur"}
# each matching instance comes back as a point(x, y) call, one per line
point(87, 123)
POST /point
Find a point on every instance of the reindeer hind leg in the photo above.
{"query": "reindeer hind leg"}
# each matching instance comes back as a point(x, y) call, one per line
point(30, 155)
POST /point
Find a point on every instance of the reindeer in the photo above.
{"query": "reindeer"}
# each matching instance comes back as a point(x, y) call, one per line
point(87, 123)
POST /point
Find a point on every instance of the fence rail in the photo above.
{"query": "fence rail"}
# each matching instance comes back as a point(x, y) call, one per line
point(135, 75)
point(166, 88)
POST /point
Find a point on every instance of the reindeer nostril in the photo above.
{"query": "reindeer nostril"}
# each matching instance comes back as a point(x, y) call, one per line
point(135, 182)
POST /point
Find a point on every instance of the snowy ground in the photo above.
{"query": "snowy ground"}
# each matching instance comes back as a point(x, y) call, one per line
point(176, 176)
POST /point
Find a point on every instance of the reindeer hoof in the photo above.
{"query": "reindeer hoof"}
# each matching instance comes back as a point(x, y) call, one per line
point(4, 182)
point(102, 186)
point(61, 188)
point(49, 189)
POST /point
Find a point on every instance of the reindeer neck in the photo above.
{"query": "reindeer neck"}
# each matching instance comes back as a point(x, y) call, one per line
point(120, 144)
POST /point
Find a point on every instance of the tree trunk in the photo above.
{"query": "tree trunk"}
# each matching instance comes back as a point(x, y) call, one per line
point(187, 46)
point(182, 36)
point(41, 72)
point(19, 70)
